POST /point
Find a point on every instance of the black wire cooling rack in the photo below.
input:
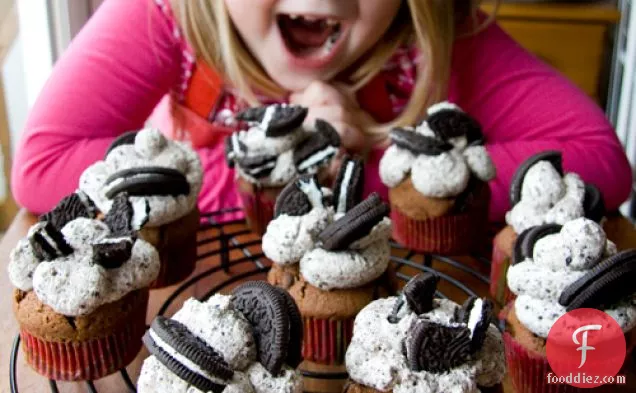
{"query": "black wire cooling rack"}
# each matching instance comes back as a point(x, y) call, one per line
point(237, 256)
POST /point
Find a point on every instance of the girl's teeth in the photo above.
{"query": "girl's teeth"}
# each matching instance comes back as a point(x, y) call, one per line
point(310, 18)
point(294, 16)
point(332, 22)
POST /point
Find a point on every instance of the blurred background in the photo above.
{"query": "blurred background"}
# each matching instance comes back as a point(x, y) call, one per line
point(591, 42)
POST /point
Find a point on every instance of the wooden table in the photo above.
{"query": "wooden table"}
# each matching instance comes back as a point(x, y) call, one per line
point(619, 229)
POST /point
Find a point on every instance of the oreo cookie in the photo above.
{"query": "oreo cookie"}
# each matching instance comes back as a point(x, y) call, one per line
point(420, 291)
point(234, 148)
point(277, 120)
point(349, 185)
point(437, 348)
point(257, 166)
point(147, 181)
point(604, 285)
point(112, 253)
point(524, 245)
point(593, 203)
point(450, 123)
point(294, 351)
point(417, 143)
point(355, 224)
point(47, 242)
point(476, 313)
point(71, 207)
point(266, 310)
point(127, 138)
point(299, 197)
point(552, 156)
point(202, 367)
point(119, 218)
point(320, 147)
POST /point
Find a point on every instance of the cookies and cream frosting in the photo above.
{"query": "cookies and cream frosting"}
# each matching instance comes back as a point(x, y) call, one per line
point(439, 173)
point(138, 165)
point(547, 197)
point(375, 357)
point(225, 329)
point(73, 283)
point(559, 261)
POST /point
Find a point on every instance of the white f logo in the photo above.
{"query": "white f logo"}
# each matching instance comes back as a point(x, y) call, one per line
point(583, 346)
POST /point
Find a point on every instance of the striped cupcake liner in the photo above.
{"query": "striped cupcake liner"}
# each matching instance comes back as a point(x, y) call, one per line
point(87, 360)
point(326, 340)
point(259, 209)
point(498, 272)
point(455, 234)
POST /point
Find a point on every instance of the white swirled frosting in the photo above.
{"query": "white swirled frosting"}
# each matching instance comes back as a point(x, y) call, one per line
point(558, 261)
point(437, 176)
point(546, 197)
point(73, 285)
point(227, 331)
point(375, 357)
point(150, 148)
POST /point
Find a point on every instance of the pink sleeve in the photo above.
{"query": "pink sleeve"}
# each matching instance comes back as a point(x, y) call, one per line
point(108, 81)
point(526, 107)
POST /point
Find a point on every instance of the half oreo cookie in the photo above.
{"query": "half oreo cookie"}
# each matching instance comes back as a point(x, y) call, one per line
point(450, 123)
point(355, 224)
point(294, 351)
point(476, 313)
point(257, 166)
point(417, 143)
point(47, 242)
point(199, 364)
point(112, 253)
point(349, 185)
point(524, 245)
point(147, 181)
point(320, 147)
point(127, 138)
point(420, 291)
point(267, 311)
point(71, 207)
point(119, 218)
point(604, 285)
point(552, 156)
point(593, 204)
point(299, 197)
point(437, 348)
point(277, 120)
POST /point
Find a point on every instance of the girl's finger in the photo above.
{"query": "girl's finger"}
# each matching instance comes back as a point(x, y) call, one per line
point(351, 138)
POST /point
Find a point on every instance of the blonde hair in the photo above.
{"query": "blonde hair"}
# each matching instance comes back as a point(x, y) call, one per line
point(432, 25)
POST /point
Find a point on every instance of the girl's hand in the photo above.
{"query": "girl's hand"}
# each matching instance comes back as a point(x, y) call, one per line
point(337, 106)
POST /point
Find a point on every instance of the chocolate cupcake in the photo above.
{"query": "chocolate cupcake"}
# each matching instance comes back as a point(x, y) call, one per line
point(244, 343)
point(272, 151)
point(437, 174)
point(161, 179)
point(81, 294)
point(333, 260)
point(540, 194)
point(415, 343)
point(561, 271)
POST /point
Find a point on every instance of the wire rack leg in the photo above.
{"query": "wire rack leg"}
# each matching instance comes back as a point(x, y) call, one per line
point(13, 381)
point(129, 383)
point(428, 260)
point(53, 386)
point(224, 239)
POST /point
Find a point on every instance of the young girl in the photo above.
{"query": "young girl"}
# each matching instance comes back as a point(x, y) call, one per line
point(363, 65)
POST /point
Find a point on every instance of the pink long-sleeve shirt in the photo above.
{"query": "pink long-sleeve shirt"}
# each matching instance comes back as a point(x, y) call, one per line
point(131, 54)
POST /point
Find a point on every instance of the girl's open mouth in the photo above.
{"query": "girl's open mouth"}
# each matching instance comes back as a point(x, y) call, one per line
point(312, 41)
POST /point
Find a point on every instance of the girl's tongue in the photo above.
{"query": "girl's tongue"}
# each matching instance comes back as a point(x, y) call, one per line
point(304, 36)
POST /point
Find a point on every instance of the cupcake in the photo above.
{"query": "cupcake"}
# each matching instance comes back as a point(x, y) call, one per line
point(162, 180)
point(415, 343)
point(574, 267)
point(333, 260)
point(540, 193)
point(437, 174)
point(82, 291)
point(274, 150)
point(248, 342)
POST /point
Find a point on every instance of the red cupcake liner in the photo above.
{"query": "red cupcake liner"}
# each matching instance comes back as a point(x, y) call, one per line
point(455, 234)
point(259, 209)
point(86, 360)
point(528, 370)
point(178, 261)
point(498, 272)
point(326, 340)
